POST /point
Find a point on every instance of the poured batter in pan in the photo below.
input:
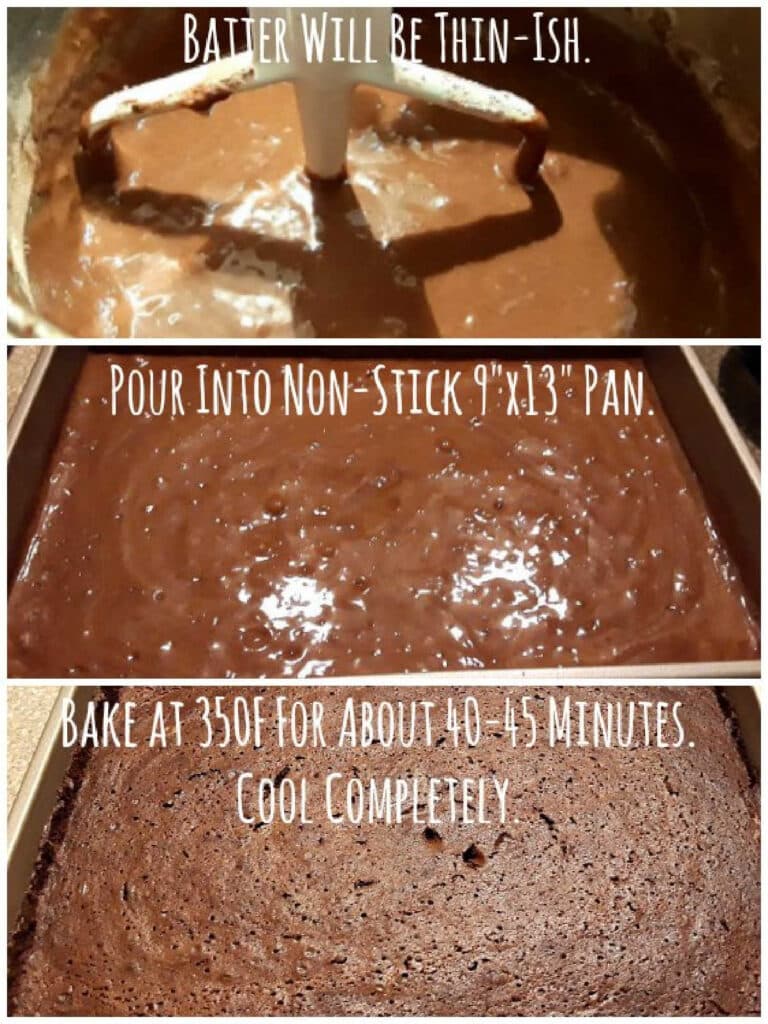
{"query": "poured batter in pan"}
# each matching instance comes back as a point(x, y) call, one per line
point(213, 230)
point(318, 545)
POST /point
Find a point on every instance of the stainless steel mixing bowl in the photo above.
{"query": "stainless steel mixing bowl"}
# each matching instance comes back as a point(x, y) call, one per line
point(719, 48)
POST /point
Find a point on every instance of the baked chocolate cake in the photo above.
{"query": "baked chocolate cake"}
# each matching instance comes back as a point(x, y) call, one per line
point(249, 545)
point(625, 882)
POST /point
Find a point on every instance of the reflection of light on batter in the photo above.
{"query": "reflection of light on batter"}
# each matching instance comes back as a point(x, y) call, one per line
point(264, 210)
point(29, 558)
point(256, 311)
point(389, 208)
point(295, 602)
point(151, 289)
point(314, 668)
point(503, 566)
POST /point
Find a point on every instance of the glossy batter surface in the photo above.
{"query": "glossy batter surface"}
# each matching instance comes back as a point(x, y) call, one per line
point(213, 230)
point(294, 546)
point(628, 883)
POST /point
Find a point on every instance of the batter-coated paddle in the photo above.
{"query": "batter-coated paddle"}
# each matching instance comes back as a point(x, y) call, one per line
point(324, 90)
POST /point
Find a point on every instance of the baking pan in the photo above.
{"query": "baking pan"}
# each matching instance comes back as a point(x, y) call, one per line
point(47, 770)
point(714, 447)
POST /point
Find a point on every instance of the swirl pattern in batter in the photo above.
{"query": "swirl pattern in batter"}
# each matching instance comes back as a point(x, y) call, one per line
point(250, 546)
point(212, 230)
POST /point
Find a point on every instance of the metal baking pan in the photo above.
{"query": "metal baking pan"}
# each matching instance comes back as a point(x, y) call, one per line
point(714, 447)
point(37, 797)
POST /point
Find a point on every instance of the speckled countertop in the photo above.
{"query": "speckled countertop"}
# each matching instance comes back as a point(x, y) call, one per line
point(28, 710)
point(29, 706)
point(20, 362)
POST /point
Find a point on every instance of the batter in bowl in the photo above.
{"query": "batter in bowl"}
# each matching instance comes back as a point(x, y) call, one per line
point(213, 230)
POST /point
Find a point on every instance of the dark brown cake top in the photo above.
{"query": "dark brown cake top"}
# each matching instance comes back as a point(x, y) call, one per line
point(627, 881)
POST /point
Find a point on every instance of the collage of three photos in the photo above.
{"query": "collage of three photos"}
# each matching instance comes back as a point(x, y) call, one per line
point(383, 396)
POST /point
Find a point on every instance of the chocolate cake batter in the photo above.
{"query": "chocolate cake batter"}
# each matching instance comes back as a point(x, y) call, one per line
point(213, 230)
point(627, 885)
point(251, 546)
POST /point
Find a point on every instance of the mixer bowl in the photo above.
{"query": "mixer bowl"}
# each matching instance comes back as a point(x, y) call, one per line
point(714, 53)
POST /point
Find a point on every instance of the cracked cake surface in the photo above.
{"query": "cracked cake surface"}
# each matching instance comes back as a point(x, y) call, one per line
point(626, 881)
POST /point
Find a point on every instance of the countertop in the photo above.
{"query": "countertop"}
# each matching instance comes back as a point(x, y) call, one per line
point(28, 710)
